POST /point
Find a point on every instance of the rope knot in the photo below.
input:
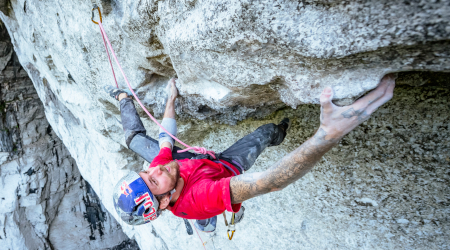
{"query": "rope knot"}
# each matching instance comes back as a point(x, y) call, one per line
point(200, 150)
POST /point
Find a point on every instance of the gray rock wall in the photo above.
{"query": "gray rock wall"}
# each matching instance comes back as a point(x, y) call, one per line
point(239, 62)
point(45, 203)
point(234, 59)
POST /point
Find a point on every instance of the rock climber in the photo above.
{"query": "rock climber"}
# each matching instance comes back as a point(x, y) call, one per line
point(190, 187)
point(193, 186)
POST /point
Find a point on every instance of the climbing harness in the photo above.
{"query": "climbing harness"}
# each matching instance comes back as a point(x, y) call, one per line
point(199, 150)
point(231, 227)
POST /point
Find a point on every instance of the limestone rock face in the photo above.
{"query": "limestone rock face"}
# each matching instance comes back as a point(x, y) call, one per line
point(234, 59)
point(45, 203)
point(385, 186)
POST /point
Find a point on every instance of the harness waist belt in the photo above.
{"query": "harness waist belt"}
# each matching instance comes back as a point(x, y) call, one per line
point(228, 167)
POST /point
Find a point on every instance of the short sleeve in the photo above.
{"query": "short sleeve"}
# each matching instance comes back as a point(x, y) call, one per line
point(213, 196)
point(164, 157)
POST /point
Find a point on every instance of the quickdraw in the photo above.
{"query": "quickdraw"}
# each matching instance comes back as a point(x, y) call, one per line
point(231, 226)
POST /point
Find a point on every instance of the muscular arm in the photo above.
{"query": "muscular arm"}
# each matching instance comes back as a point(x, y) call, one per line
point(286, 171)
point(335, 121)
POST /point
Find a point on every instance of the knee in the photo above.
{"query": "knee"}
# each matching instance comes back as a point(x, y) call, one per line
point(129, 137)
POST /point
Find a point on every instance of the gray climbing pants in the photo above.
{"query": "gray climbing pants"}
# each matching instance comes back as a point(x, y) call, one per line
point(241, 154)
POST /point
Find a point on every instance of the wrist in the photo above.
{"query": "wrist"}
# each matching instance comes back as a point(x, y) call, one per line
point(329, 133)
point(170, 104)
point(171, 100)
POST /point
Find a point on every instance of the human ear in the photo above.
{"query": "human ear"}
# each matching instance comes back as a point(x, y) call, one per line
point(164, 202)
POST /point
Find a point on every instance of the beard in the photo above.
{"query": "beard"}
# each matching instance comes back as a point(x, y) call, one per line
point(174, 175)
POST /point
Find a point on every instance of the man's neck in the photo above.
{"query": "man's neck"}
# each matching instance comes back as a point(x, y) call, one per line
point(178, 189)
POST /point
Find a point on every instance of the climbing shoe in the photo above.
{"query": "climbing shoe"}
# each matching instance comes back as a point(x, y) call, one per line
point(284, 127)
point(115, 92)
point(285, 124)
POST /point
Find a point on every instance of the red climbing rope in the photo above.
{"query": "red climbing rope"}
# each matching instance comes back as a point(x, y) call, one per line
point(199, 150)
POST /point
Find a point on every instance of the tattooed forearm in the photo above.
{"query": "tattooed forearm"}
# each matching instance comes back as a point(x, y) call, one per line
point(286, 171)
point(361, 114)
point(335, 122)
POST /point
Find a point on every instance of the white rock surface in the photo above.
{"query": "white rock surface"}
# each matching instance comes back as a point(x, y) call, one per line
point(234, 58)
point(44, 202)
point(240, 59)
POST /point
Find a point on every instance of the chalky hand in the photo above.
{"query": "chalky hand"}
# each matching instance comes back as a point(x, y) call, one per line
point(339, 121)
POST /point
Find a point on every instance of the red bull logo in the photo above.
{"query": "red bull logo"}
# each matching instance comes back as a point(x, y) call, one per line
point(125, 189)
point(148, 203)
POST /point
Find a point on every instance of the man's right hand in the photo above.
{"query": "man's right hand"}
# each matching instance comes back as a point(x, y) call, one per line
point(339, 121)
point(335, 122)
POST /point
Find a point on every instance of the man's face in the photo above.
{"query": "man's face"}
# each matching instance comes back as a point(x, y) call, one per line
point(161, 179)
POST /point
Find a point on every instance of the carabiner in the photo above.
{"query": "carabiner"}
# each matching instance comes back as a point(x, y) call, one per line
point(99, 13)
point(230, 226)
point(232, 233)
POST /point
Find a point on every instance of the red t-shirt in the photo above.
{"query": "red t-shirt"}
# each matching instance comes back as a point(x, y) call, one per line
point(206, 190)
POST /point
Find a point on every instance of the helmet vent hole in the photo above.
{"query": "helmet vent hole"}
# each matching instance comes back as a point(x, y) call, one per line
point(137, 206)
